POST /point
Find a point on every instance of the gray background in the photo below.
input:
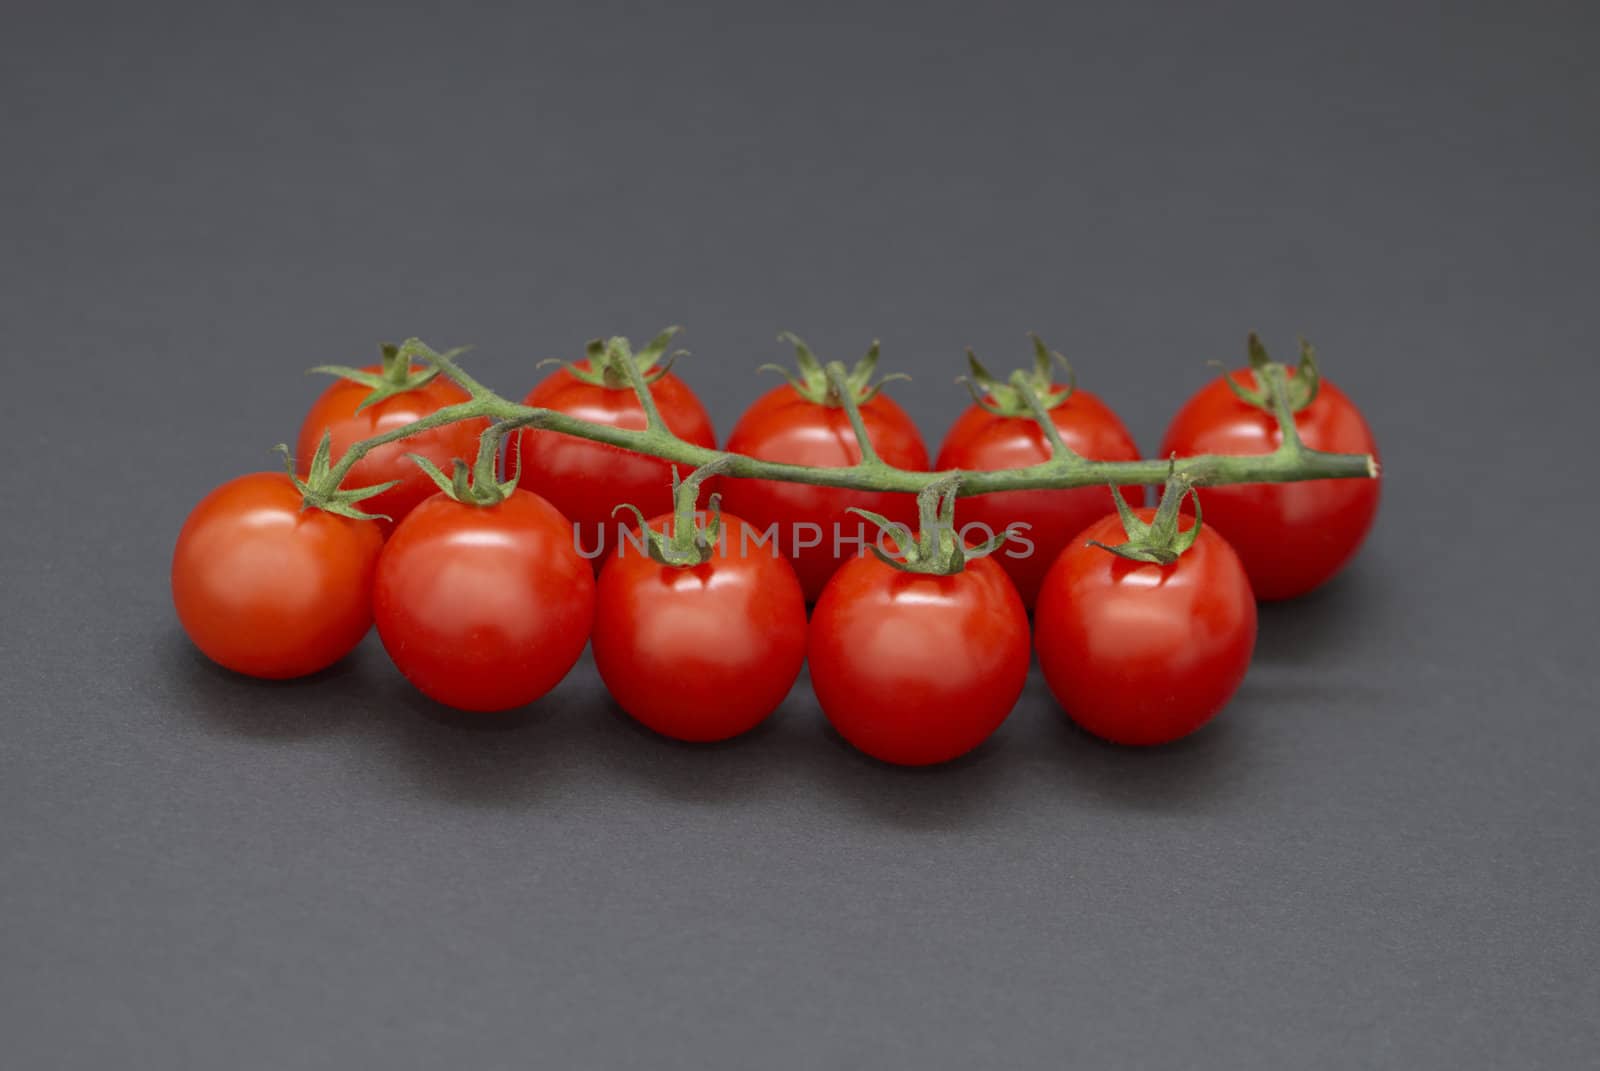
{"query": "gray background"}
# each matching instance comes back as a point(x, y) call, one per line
point(1383, 854)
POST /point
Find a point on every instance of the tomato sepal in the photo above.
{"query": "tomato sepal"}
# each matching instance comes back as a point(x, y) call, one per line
point(936, 549)
point(397, 375)
point(612, 364)
point(690, 541)
point(1273, 381)
point(466, 484)
point(816, 385)
point(1008, 397)
point(319, 491)
point(1161, 542)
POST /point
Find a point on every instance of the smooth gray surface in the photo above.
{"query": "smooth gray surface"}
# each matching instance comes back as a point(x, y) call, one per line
point(1383, 854)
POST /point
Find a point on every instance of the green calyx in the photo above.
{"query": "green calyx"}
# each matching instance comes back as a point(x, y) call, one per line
point(1160, 542)
point(608, 358)
point(688, 542)
point(1273, 382)
point(474, 485)
point(812, 381)
point(937, 549)
point(396, 375)
point(1010, 398)
point(319, 489)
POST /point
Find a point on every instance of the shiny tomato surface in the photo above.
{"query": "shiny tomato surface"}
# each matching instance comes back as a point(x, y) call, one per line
point(982, 441)
point(1139, 653)
point(702, 652)
point(916, 669)
point(587, 480)
point(782, 425)
point(335, 412)
point(1292, 537)
point(267, 588)
point(484, 608)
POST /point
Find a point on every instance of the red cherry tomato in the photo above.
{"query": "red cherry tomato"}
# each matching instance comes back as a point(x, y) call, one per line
point(484, 608)
point(586, 480)
point(703, 652)
point(268, 589)
point(982, 441)
point(916, 669)
point(335, 412)
point(806, 521)
point(1139, 653)
point(1291, 537)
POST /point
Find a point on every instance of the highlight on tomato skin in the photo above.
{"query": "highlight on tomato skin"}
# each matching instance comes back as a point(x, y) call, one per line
point(336, 412)
point(484, 608)
point(1144, 654)
point(917, 669)
point(269, 589)
point(1291, 537)
point(784, 426)
point(700, 653)
point(587, 480)
point(981, 441)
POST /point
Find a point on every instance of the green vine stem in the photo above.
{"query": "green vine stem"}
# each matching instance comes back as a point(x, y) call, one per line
point(1292, 461)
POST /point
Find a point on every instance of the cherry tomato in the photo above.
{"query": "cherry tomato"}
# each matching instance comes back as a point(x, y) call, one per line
point(983, 441)
point(702, 652)
point(916, 669)
point(484, 608)
point(586, 480)
point(1139, 653)
point(808, 522)
point(268, 589)
point(335, 412)
point(1292, 537)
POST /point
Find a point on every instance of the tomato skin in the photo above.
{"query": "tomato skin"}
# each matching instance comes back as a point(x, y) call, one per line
point(587, 480)
point(1292, 537)
point(1144, 654)
point(782, 425)
point(916, 669)
point(705, 652)
point(484, 608)
point(334, 411)
point(267, 589)
point(981, 441)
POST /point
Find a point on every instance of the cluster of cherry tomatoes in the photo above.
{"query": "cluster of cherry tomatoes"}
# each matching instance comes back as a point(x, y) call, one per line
point(486, 607)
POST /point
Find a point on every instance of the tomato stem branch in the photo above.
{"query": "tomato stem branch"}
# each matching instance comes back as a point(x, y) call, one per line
point(641, 388)
point(1059, 450)
point(839, 382)
point(1276, 382)
point(1291, 462)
